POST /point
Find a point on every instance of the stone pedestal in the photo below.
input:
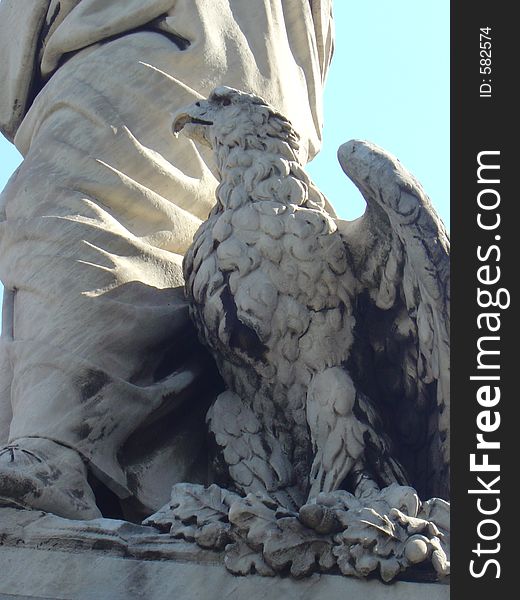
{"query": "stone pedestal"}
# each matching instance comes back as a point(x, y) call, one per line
point(44, 574)
point(46, 557)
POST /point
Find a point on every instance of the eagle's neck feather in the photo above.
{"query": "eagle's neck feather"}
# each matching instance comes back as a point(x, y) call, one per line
point(260, 170)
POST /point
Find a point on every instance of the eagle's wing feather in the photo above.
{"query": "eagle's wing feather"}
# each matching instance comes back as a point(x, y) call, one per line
point(400, 251)
point(255, 457)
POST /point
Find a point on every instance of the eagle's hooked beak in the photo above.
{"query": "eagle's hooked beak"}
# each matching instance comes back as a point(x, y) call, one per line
point(183, 118)
point(179, 122)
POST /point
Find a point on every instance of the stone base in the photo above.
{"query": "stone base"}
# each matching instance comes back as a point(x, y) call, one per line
point(46, 557)
point(45, 574)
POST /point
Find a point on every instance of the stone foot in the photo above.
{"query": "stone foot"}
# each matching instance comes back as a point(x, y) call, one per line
point(39, 474)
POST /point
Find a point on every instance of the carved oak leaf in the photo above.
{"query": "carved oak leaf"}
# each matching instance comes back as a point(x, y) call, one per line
point(255, 518)
point(440, 558)
point(193, 503)
point(303, 550)
point(371, 541)
point(389, 568)
point(437, 511)
point(353, 560)
point(240, 559)
point(196, 513)
point(368, 527)
point(180, 531)
point(162, 519)
point(389, 543)
point(214, 535)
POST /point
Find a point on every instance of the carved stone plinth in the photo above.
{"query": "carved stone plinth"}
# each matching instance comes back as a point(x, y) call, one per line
point(46, 557)
point(96, 575)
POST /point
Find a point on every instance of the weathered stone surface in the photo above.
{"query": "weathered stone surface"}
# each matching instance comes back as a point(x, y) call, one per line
point(45, 556)
point(35, 529)
point(61, 575)
point(332, 338)
point(18, 597)
point(280, 293)
point(94, 224)
point(336, 532)
point(295, 424)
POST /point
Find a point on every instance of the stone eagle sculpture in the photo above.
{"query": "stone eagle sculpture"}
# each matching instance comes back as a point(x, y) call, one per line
point(332, 337)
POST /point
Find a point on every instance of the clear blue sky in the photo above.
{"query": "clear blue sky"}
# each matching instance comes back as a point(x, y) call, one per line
point(389, 83)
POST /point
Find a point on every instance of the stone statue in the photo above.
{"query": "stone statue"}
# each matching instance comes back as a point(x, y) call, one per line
point(281, 294)
point(103, 386)
point(333, 341)
point(322, 400)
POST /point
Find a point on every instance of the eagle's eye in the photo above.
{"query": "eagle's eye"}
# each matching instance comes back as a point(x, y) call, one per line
point(225, 101)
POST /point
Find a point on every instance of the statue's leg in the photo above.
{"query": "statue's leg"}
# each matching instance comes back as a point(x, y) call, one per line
point(35, 472)
point(5, 375)
point(96, 221)
point(6, 413)
point(42, 474)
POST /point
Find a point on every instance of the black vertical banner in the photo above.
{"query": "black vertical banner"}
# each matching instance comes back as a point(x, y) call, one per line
point(485, 369)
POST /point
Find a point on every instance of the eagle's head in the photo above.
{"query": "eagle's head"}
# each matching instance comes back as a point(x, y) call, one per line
point(232, 118)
